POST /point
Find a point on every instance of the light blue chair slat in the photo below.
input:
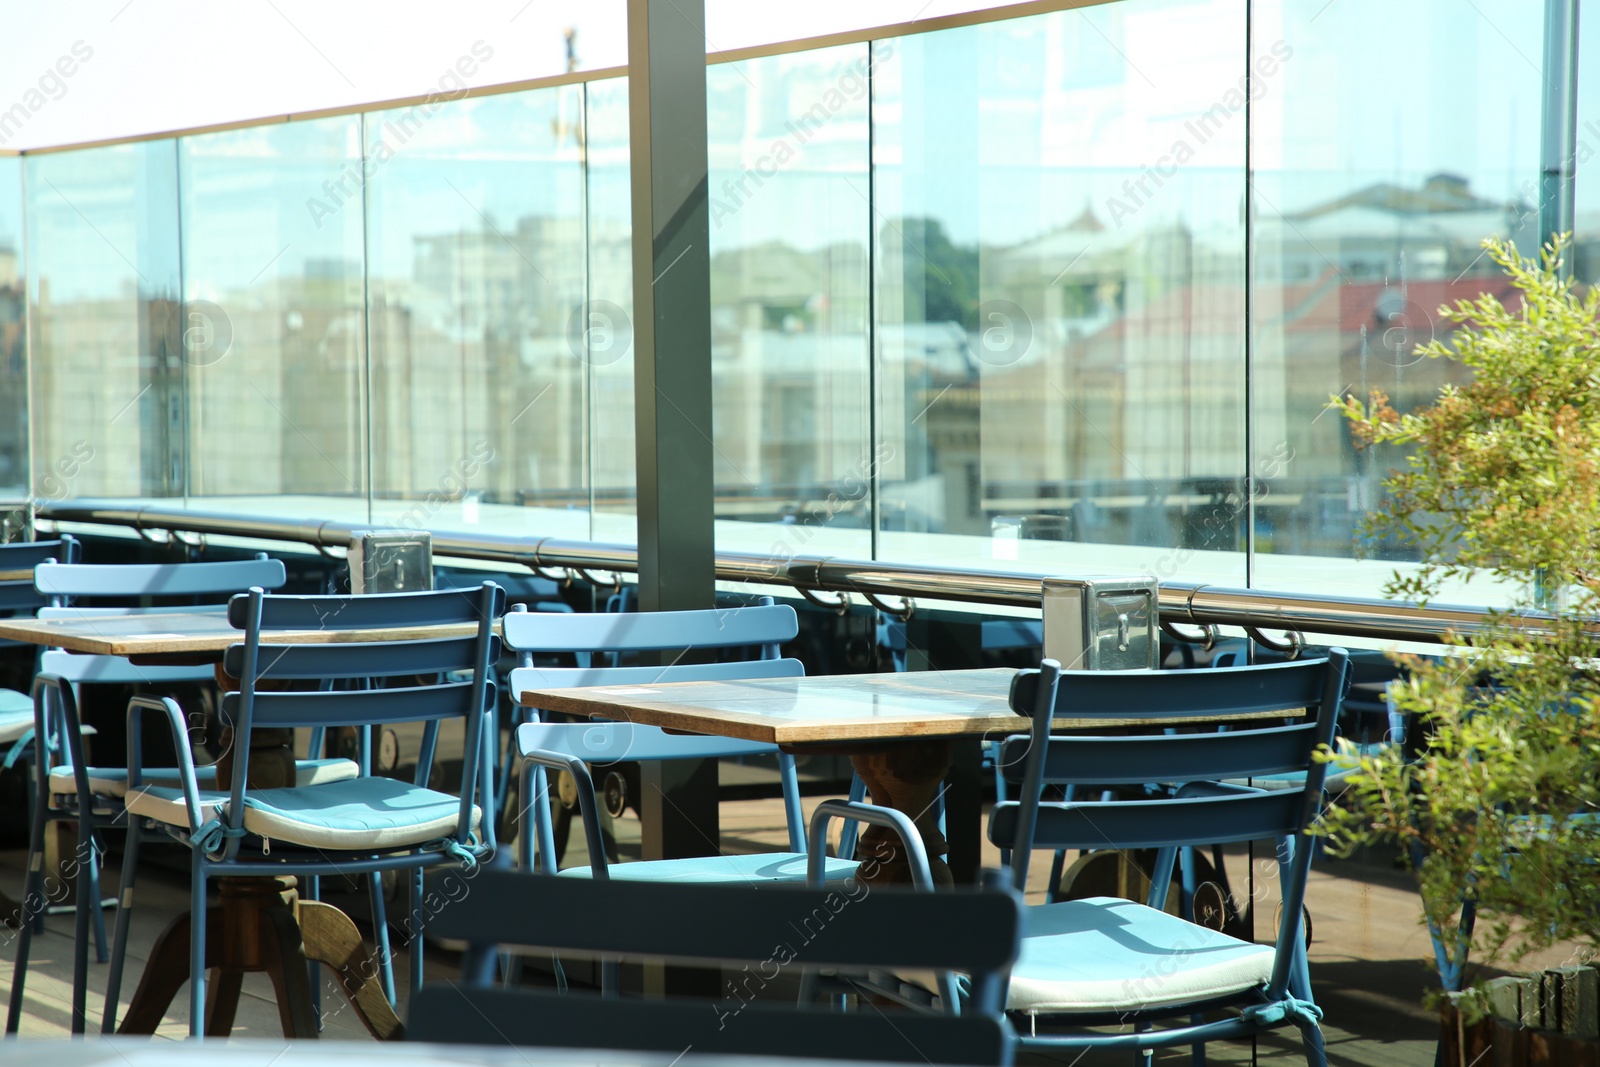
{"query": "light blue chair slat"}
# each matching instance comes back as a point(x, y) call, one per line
point(526, 678)
point(616, 742)
point(114, 670)
point(157, 579)
point(357, 659)
point(652, 630)
point(360, 707)
point(54, 612)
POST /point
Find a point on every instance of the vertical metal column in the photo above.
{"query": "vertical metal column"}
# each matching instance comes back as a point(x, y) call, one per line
point(671, 302)
point(1559, 109)
point(672, 370)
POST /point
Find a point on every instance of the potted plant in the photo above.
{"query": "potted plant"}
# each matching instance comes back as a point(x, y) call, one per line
point(1499, 813)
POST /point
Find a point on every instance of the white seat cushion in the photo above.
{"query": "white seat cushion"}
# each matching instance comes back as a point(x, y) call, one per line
point(359, 814)
point(14, 720)
point(1108, 955)
point(113, 781)
point(762, 867)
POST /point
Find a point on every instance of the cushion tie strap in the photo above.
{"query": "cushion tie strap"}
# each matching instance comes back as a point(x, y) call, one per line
point(213, 834)
point(19, 748)
point(463, 853)
point(1290, 1009)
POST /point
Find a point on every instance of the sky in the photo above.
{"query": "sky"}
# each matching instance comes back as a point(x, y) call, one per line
point(97, 69)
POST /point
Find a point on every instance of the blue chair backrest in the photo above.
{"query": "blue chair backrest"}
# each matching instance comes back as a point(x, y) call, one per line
point(18, 594)
point(157, 579)
point(426, 664)
point(970, 930)
point(648, 631)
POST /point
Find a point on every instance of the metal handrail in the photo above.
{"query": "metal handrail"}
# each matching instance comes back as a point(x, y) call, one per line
point(1181, 603)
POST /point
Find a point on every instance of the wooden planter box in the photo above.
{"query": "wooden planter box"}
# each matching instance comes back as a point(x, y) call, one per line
point(1501, 1043)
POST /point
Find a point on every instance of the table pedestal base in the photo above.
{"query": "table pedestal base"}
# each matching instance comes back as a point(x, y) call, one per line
point(905, 776)
point(261, 924)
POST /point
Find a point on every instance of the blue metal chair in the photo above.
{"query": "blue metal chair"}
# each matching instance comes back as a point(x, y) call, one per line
point(360, 826)
point(574, 747)
point(62, 777)
point(770, 930)
point(558, 746)
point(19, 597)
point(1106, 961)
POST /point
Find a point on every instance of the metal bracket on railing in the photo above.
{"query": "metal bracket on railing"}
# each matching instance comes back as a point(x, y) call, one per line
point(1206, 638)
point(197, 546)
point(615, 583)
point(145, 535)
point(1292, 647)
point(908, 607)
point(537, 567)
point(842, 606)
point(327, 552)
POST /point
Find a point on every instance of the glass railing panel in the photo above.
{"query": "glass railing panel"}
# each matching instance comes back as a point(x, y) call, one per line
point(603, 331)
point(1060, 298)
point(476, 242)
point(1374, 186)
point(13, 337)
point(1586, 150)
point(103, 280)
point(790, 225)
point(274, 331)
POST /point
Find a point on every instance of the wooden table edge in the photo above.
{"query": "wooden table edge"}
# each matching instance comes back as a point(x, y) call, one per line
point(751, 727)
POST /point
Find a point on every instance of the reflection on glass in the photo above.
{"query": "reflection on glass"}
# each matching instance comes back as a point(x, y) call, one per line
point(1586, 158)
point(789, 297)
point(273, 332)
point(1372, 197)
point(603, 332)
point(13, 339)
point(1060, 242)
point(475, 231)
point(107, 400)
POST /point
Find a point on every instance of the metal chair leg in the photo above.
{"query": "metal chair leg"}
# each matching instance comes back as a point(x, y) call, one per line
point(119, 941)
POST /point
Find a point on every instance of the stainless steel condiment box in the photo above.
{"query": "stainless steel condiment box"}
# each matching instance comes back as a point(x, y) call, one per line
point(391, 561)
point(1101, 623)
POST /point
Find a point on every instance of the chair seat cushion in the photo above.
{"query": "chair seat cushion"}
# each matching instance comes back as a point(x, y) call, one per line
point(762, 867)
point(358, 814)
point(1105, 955)
point(113, 781)
point(15, 719)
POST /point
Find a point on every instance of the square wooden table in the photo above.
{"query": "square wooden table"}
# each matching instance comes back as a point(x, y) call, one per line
point(903, 732)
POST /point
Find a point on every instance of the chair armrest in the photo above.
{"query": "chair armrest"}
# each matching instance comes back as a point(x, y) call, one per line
point(168, 707)
point(588, 808)
point(873, 815)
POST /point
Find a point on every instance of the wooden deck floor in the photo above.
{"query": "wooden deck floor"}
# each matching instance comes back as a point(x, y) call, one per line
point(1369, 957)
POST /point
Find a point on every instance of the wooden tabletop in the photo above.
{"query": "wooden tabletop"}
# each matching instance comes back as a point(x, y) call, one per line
point(199, 631)
point(836, 708)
